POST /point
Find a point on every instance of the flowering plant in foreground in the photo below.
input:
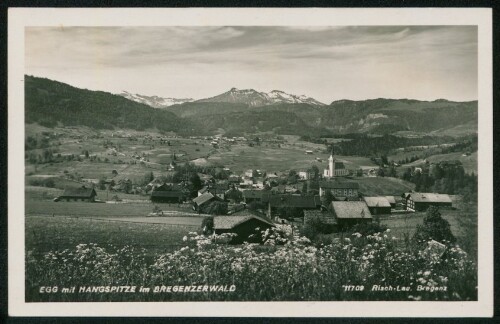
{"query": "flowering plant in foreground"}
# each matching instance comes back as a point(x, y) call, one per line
point(285, 267)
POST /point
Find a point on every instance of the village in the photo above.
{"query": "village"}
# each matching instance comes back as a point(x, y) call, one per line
point(255, 198)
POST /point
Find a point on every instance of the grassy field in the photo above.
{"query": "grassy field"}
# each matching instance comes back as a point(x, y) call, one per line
point(383, 186)
point(44, 234)
point(34, 207)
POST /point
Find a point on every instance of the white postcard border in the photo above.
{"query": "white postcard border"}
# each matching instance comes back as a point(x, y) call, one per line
point(19, 18)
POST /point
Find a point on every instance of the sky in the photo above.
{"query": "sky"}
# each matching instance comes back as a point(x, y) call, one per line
point(326, 63)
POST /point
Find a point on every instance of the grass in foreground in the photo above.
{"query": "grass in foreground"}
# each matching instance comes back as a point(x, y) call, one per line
point(294, 271)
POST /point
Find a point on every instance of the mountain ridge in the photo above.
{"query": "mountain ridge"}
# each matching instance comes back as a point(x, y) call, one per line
point(52, 102)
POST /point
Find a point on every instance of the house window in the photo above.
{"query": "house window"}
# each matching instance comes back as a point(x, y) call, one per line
point(350, 192)
point(345, 192)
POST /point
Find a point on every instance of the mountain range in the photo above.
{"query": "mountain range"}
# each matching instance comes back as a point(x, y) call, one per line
point(249, 97)
point(50, 102)
point(154, 101)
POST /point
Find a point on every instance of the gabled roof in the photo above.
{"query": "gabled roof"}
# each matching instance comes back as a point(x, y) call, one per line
point(294, 201)
point(339, 185)
point(200, 200)
point(377, 202)
point(229, 222)
point(81, 192)
point(325, 216)
point(391, 199)
point(429, 197)
point(339, 165)
point(351, 209)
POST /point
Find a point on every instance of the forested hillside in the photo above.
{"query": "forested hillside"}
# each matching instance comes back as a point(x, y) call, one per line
point(50, 103)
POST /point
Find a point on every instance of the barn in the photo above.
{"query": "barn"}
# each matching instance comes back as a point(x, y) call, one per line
point(78, 194)
point(247, 227)
point(420, 201)
point(167, 194)
point(203, 199)
point(292, 202)
point(378, 205)
point(349, 213)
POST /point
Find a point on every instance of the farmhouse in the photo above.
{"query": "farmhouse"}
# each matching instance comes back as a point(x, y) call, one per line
point(391, 200)
point(233, 195)
point(255, 195)
point(339, 189)
point(203, 199)
point(246, 227)
point(78, 194)
point(348, 213)
point(420, 201)
point(218, 190)
point(290, 201)
point(167, 194)
point(325, 216)
point(378, 205)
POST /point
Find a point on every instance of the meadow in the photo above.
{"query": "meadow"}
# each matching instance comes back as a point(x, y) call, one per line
point(45, 234)
point(286, 268)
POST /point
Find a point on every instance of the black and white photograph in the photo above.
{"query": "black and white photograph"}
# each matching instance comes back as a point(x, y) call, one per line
point(226, 160)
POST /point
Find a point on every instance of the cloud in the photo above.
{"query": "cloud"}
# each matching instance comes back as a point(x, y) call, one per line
point(328, 62)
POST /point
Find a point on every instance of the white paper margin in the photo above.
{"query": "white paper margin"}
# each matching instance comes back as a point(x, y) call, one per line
point(19, 18)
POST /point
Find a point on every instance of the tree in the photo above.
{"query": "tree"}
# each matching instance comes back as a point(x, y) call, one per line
point(380, 172)
point(207, 225)
point(148, 177)
point(196, 182)
point(215, 208)
point(327, 198)
point(434, 227)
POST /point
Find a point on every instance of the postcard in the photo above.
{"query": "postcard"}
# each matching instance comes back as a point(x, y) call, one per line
point(276, 162)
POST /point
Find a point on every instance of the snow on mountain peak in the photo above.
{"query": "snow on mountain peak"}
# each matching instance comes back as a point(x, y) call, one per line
point(153, 101)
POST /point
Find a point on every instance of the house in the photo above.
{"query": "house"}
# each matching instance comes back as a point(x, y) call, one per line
point(78, 194)
point(248, 173)
point(378, 205)
point(391, 200)
point(233, 195)
point(246, 227)
point(167, 194)
point(303, 175)
point(325, 216)
point(255, 195)
point(348, 213)
point(258, 183)
point(234, 179)
point(218, 189)
point(340, 189)
point(246, 183)
point(290, 201)
point(203, 199)
point(420, 201)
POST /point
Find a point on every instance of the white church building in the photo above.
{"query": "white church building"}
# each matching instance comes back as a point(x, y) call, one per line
point(335, 168)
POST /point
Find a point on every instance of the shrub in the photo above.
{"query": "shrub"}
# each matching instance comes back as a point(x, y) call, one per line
point(434, 227)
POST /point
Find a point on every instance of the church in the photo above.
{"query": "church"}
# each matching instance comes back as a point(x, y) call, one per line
point(335, 168)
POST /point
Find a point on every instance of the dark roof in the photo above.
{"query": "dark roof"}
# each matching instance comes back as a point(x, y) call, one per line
point(325, 216)
point(255, 194)
point(200, 200)
point(377, 201)
point(429, 197)
point(79, 192)
point(294, 201)
point(166, 194)
point(339, 185)
point(229, 222)
point(351, 209)
point(339, 165)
